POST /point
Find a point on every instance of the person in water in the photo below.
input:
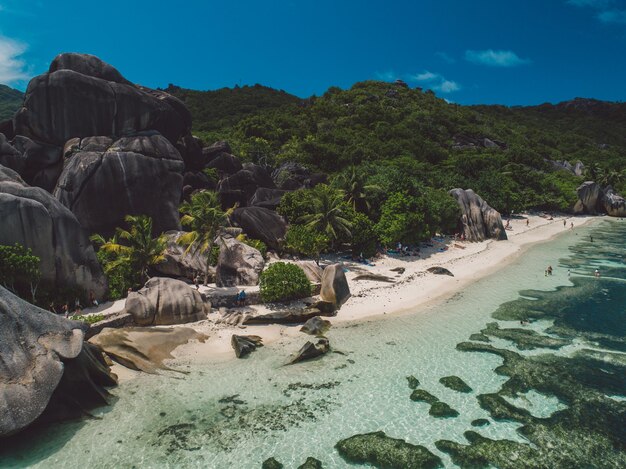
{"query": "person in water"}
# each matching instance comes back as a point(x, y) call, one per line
point(591, 238)
point(596, 273)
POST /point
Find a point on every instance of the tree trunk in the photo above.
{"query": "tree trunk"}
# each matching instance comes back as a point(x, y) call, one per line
point(208, 262)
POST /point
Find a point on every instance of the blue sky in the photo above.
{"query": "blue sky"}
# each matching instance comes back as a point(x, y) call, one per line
point(480, 51)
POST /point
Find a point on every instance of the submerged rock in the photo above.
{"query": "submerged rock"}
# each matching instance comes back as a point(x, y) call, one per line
point(335, 288)
point(478, 220)
point(271, 463)
point(47, 371)
point(455, 383)
point(525, 339)
point(245, 344)
point(413, 382)
point(480, 423)
point(166, 301)
point(382, 451)
point(316, 326)
point(311, 463)
point(311, 350)
point(420, 395)
point(442, 410)
point(144, 348)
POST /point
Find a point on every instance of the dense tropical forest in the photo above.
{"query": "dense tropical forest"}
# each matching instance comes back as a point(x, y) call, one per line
point(10, 101)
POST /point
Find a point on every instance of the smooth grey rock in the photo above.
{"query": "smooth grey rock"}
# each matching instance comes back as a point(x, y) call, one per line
point(166, 301)
point(45, 367)
point(245, 344)
point(33, 218)
point(335, 288)
point(589, 197)
point(238, 264)
point(105, 180)
point(614, 204)
point(316, 326)
point(478, 220)
point(177, 264)
point(311, 350)
point(440, 271)
point(262, 224)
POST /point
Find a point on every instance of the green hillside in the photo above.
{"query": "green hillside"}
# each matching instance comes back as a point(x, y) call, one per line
point(10, 102)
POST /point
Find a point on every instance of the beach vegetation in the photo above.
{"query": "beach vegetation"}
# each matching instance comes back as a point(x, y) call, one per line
point(283, 282)
point(20, 270)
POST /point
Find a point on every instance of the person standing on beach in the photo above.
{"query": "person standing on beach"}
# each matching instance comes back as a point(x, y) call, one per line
point(571, 225)
point(564, 223)
point(527, 222)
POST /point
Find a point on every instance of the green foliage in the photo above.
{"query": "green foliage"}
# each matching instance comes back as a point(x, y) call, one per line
point(306, 241)
point(204, 217)
point(329, 214)
point(90, 319)
point(20, 270)
point(284, 282)
point(130, 253)
point(10, 102)
point(364, 238)
point(296, 204)
point(255, 243)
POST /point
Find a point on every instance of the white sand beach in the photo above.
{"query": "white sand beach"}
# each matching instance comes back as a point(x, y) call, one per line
point(415, 288)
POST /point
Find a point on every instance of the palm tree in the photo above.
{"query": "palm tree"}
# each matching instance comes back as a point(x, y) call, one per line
point(610, 177)
point(328, 214)
point(135, 246)
point(203, 215)
point(353, 184)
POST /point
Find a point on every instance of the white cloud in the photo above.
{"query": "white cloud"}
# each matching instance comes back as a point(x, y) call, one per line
point(613, 16)
point(12, 67)
point(435, 82)
point(495, 58)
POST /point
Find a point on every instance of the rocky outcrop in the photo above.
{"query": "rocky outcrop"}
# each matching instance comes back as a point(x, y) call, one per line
point(316, 326)
point(144, 348)
point(104, 180)
point(82, 96)
point(293, 176)
point(33, 218)
point(613, 203)
point(312, 270)
point(210, 152)
point(224, 163)
point(312, 350)
point(267, 198)
point(478, 220)
point(238, 264)
point(166, 301)
point(47, 370)
point(335, 288)
point(577, 169)
point(292, 316)
point(244, 183)
point(245, 344)
point(262, 224)
point(177, 264)
point(589, 197)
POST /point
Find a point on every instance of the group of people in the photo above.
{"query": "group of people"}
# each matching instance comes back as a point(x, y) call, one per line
point(65, 310)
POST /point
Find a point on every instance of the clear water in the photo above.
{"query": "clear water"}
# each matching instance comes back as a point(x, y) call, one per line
point(238, 414)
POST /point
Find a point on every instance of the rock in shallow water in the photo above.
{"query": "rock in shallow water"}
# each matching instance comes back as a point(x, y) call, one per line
point(316, 326)
point(311, 463)
point(455, 383)
point(245, 344)
point(382, 451)
point(311, 350)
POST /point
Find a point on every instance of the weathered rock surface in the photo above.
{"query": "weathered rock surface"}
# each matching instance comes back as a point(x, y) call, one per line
point(311, 463)
point(374, 278)
point(613, 203)
point(478, 220)
point(589, 196)
point(238, 264)
point(311, 350)
point(455, 383)
point(177, 264)
point(316, 326)
point(335, 288)
point(105, 180)
point(382, 451)
point(245, 344)
point(271, 463)
point(267, 198)
point(33, 218)
point(440, 271)
point(312, 270)
point(262, 224)
point(144, 348)
point(46, 369)
point(215, 149)
point(165, 301)
point(224, 163)
point(292, 176)
point(295, 316)
point(82, 96)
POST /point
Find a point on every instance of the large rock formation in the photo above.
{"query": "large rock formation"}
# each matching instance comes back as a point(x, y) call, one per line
point(104, 180)
point(33, 218)
point(82, 96)
point(478, 220)
point(261, 223)
point(267, 198)
point(613, 203)
point(589, 197)
point(335, 288)
point(166, 301)
point(177, 264)
point(46, 370)
point(238, 264)
point(244, 183)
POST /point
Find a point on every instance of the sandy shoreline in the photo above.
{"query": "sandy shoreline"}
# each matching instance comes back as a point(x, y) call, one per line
point(413, 290)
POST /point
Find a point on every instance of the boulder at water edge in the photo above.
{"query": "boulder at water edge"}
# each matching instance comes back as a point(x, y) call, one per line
point(589, 196)
point(46, 370)
point(33, 218)
point(335, 288)
point(104, 180)
point(614, 204)
point(238, 264)
point(478, 220)
point(165, 301)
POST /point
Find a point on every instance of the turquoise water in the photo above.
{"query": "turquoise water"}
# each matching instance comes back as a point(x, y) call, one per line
point(240, 413)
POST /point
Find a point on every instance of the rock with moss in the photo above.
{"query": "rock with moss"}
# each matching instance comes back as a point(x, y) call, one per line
point(311, 463)
point(382, 451)
point(455, 383)
point(480, 337)
point(480, 423)
point(413, 382)
point(271, 463)
point(420, 395)
point(525, 339)
point(442, 410)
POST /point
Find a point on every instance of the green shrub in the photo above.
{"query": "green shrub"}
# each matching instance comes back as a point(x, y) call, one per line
point(306, 241)
point(254, 243)
point(19, 270)
point(363, 235)
point(284, 282)
point(91, 319)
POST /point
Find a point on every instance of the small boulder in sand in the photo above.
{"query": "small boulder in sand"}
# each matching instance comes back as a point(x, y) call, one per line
point(335, 287)
point(311, 350)
point(440, 271)
point(245, 344)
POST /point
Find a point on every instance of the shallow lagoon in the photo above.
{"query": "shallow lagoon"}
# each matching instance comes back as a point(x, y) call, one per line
point(240, 413)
